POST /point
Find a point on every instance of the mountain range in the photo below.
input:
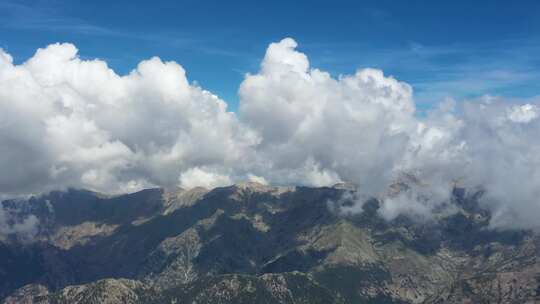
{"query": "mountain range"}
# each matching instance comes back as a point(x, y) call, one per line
point(254, 243)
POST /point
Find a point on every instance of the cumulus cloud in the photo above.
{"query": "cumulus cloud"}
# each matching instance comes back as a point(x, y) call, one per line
point(319, 130)
point(68, 122)
point(197, 177)
point(363, 128)
point(501, 154)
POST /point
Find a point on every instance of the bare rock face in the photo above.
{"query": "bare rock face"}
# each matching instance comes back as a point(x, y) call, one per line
point(68, 236)
point(29, 294)
point(511, 275)
point(181, 198)
point(106, 291)
point(255, 243)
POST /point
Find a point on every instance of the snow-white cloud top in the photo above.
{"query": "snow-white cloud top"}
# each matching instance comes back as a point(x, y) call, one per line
point(68, 122)
point(319, 130)
point(71, 122)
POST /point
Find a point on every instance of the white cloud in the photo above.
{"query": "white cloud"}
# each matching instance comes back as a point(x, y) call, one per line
point(486, 143)
point(257, 179)
point(71, 122)
point(197, 177)
point(67, 122)
point(503, 153)
point(319, 130)
point(523, 113)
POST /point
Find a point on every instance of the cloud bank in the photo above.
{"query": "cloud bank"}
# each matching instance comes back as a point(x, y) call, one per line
point(68, 122)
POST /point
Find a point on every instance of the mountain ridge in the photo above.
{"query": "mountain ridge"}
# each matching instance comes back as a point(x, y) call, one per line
point(200, 244)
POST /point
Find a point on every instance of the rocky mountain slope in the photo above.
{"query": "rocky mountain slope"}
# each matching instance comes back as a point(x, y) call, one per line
point(252, 243)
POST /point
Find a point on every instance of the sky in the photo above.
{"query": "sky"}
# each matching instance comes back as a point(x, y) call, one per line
point(118, 97)
point(459, 49)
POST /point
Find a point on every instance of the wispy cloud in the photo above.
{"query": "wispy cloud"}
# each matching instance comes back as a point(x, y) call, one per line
point(37, 16)
point(42, 16)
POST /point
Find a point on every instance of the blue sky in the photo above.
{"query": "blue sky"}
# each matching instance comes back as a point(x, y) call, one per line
point(460, 49)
